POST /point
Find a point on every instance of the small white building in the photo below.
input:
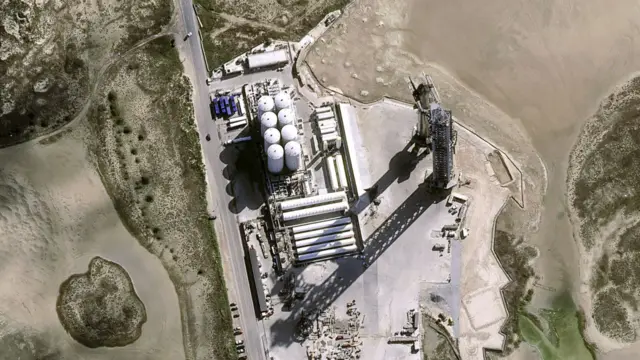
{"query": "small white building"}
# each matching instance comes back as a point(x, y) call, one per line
point(269, 58)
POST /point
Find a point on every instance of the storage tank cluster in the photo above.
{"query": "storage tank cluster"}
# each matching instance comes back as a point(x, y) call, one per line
point(327, 123)
point(279, 131)
point(337, 173)
point(324, 239)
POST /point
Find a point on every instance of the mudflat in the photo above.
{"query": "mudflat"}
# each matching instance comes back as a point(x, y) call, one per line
point(55, 216)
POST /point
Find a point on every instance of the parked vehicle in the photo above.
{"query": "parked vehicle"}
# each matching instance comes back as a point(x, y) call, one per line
point(240, 351)
point(232, 304)
point(239, 342)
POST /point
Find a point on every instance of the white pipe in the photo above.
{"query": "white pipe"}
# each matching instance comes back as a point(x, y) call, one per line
point(321, 232)
point(325, 246)
point(342, 175)
point(324, 239)
point(318, 210)
point(333, 177)
point(312, 200)
point(323, 109)
point(320, 225)
point(326, 253)
point(237, 119)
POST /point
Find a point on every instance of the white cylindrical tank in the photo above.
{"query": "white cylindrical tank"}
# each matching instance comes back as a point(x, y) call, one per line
point(327, 123)
point(324, 239)
point(323, 109)
point(292, 155)
point(321, 232)
point(321, 225)
point(342, 174)
point(289, 133)
point(313, 200)
point(333, 176)
point(325, 131)
point(326, 253)
point(324, 115)
point(282, 100)
point(330, 136)
point(275, 158)
point(286, 117)
point(268, 120)
point(325, 246)
point(265, 104)
point(271, 136)
point(313, 211)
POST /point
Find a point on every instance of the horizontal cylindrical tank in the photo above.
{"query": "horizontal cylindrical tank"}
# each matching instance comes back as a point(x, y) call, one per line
point(321, 232)
point(292, 155)
point(325, 131)
point(313, 211)
point(286, 117)
point(282, 100)
point(333, 176)
point(330, 137)
point(275, 159)
point(235, 124)
point(324, 239)
point(327, 253)
point(265, 104)
point(325, 246)
point(271, 136)
point(268, 120)
point(323, 109)
point(321, 225)
point(342, 174)
point(289, 133)
point(312, 200)
point(327, 123)
point(324, 116)
point(237, 119)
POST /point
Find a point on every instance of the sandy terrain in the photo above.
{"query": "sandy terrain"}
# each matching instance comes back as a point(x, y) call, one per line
point(55, 216)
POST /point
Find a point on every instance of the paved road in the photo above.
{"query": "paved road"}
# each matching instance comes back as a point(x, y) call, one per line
point(226, 225)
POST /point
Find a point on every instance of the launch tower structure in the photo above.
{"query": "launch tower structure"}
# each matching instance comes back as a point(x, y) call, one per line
point(424, 94)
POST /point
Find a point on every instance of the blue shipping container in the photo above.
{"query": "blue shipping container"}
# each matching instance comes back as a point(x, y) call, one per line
point(234, 108)
point(216, 106)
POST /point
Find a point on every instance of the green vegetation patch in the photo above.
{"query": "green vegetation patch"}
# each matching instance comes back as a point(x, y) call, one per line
point(287, 20)
point(514, 258)
point(607, 182)
point(100, 307)
point(564, 323)
point(236, 41)
point(148, 152)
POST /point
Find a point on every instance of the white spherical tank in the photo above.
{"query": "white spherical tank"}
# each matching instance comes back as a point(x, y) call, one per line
point(271, 136)
point(275, 158)
point(285, 117)
point(265, 103)
point(289, 133)
point(292, 155)
point(268, 120)
point(282, 100)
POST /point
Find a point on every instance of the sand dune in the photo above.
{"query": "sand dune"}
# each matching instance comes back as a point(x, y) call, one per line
point(55, 215)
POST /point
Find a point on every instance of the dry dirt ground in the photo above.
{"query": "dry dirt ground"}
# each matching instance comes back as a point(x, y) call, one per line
point(545, 64)
point(51, 52)
point(232, 27)
point(55, 216)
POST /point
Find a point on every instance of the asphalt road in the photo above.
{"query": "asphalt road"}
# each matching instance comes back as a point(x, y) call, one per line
point(226, 225)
